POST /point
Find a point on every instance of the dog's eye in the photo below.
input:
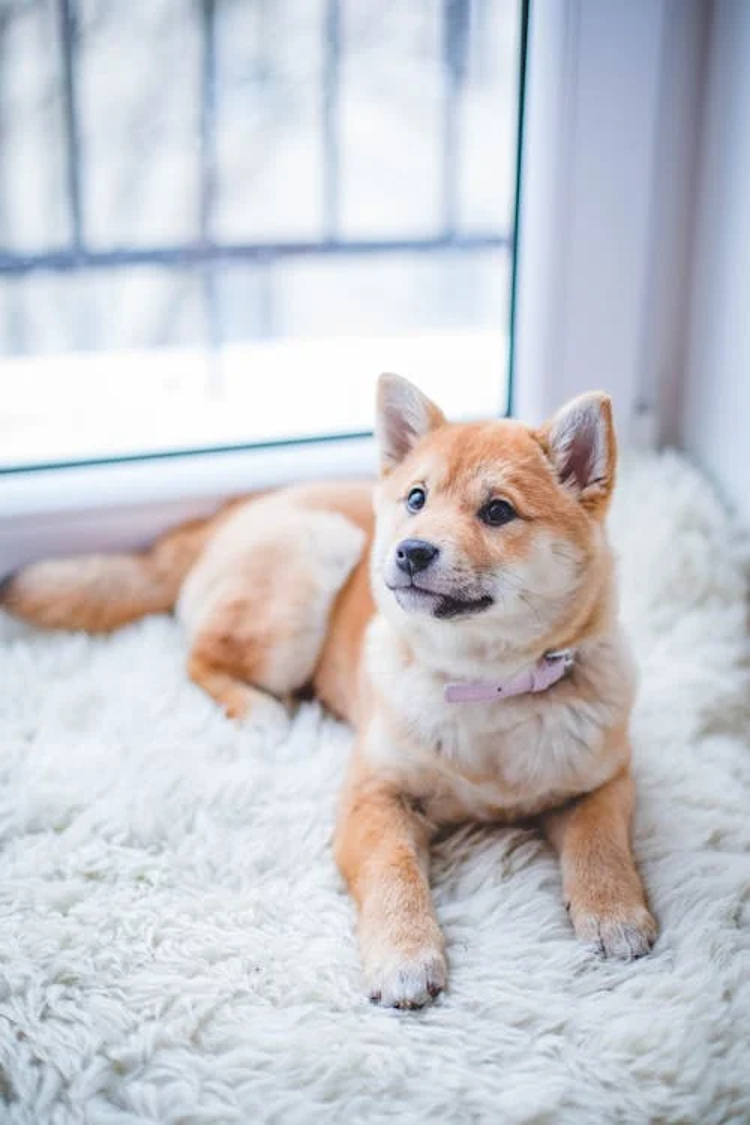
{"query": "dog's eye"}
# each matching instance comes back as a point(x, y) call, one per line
point(416, 500)
point(497, 512)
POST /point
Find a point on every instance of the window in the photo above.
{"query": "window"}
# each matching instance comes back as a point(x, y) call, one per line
point(219, 219)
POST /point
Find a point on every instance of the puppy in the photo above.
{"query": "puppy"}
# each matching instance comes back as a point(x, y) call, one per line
point(468, 631)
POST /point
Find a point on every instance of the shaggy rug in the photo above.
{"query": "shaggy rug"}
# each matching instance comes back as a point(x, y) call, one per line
point(176, 945)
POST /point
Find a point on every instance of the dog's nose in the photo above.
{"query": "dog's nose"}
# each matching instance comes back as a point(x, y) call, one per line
point(415, 555)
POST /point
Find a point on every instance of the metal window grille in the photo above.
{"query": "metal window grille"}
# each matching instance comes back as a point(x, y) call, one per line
point(206, 252)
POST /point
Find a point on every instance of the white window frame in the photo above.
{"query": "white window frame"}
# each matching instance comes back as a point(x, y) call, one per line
point(604, 213)
point(611, 146)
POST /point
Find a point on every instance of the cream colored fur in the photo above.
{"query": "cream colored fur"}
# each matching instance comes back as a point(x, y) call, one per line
point(276, 549)
point(552, 749)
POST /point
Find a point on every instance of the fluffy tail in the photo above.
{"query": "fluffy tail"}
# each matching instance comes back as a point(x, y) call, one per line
point(98, 593)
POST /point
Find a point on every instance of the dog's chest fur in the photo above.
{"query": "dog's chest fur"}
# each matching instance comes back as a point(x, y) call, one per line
point(505, 759)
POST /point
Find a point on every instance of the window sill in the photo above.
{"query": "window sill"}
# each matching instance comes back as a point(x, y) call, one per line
point(125, 504)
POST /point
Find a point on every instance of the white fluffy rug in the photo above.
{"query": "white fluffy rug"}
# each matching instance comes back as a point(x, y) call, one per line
point(176, 947)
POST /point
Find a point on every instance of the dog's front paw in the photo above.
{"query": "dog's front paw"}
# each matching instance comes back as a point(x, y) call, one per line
point(406, 975)
point(620, 931)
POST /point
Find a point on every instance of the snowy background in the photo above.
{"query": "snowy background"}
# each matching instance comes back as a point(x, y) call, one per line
point(144, 329)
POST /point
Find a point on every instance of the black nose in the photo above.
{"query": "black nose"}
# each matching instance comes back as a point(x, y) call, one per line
point(415, 555)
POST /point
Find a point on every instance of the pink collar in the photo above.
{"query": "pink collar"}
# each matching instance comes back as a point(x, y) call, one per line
point(537, 678)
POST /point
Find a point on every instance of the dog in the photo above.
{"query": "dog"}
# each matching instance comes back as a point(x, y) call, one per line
point(466, 625)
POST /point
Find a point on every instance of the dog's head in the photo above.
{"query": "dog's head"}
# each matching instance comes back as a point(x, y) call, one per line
point(490, 527)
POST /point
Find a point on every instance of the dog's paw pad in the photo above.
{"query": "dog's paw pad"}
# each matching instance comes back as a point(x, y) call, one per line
point(621, 933)
point(408, 982)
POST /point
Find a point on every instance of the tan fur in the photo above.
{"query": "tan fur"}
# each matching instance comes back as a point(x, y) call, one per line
point(601, 885)
point(100, 593)
point(258, 603)
point(382, 848)
point(302, 587)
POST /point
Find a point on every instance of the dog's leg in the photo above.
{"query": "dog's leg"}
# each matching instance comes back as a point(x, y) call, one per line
point(235, 696)
point(601, 885)
point(382, 849)
point(256, 607)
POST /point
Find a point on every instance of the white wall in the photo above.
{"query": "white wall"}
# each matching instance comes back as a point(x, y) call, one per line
point(614, 100)
point(715, 422)
point(590, 148)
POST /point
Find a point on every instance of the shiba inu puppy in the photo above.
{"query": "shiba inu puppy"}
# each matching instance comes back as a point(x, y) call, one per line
point(468, 630)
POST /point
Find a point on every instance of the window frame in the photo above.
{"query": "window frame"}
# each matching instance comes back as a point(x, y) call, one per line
point(612, 138)
point(577, 235)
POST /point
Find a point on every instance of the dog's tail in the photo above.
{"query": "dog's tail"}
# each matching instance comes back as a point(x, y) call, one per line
point(99, 593)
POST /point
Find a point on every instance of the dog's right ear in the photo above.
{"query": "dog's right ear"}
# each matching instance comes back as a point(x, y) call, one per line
point(403, 417)
point(580, 442)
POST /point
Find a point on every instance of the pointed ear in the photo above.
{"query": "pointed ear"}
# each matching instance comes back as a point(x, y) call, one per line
point(403, 416)
point(580, 442)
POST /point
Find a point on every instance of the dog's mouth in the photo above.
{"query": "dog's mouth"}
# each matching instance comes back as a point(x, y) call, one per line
point(444, 606)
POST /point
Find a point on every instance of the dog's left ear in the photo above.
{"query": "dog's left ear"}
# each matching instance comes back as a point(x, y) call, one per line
point(580, 442)
point(403, 417)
